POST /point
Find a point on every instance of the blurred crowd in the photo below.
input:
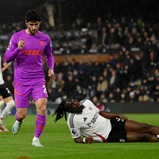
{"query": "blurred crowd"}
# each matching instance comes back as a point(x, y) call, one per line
point(132, 76)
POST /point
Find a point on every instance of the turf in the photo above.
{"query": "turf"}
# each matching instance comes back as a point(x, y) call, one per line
point(58, 143)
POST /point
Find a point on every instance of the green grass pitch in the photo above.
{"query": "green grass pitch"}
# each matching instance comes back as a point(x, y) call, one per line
point(58, 143)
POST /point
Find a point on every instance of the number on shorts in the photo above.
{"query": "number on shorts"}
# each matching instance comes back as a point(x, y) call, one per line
point(8, 90)
point(44, 89)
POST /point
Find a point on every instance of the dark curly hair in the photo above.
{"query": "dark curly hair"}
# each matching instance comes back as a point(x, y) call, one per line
point(32, 15)
point(61, 111)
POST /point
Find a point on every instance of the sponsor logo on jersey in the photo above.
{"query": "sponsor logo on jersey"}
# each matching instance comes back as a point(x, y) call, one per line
point(84, 119)
point(93, 120)
point(32, 52)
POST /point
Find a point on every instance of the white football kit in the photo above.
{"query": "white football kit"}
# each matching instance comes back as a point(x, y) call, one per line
point(89, 123)
point(1, 77)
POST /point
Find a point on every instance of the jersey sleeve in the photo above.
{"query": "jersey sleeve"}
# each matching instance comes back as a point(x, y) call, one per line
point(49, 55)
point(88, 103)
point(12, 50)
point(75, 131)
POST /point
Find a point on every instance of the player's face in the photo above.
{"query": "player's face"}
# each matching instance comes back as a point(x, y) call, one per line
point(73, 106)
point(33, 27)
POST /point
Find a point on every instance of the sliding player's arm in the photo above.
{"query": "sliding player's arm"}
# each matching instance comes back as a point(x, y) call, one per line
point(88, 140)
point(110, 115)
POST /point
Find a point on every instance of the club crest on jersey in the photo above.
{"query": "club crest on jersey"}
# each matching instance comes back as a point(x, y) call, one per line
point(90, 108)
point(41, 43)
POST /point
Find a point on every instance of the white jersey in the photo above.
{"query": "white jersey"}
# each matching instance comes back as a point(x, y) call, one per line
point(89, 123)
point(1, 77)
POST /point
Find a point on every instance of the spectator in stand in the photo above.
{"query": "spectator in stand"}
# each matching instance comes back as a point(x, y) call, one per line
point(132, 97)
point(93, 82)
point(89, 68)
point(79, 22)
point(58, 49)
point(156, 93)
point(97, 68)
point(73, 65)
point(53, 37)
point(84, 49)
point(137, 94)
point(87, 38)
point(123, 97)
point(111, 98)
point(100, 106)
point(112, 61)
point(90, 26)
point(113, 83)
point(69, 87)
point(103, 98)
point(90, 92)
point(67, 49)
point(62, 37)
point(121, 57)
point(147, 97)
point(104, 40)
point(102, 86)
point(106, 75)
point(79, 93)
point(134, 69)
point(72, 37)
point(94, 48)
point(117, 94)
point(53, 87)
point(76, 49)
point(96, 39)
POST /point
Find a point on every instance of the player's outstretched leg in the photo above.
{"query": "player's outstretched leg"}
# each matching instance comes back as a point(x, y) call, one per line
point(17, 125)
point(5, 113)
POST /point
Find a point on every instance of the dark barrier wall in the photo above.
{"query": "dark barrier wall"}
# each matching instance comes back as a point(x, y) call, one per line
point(135, 107)
point(122, 108)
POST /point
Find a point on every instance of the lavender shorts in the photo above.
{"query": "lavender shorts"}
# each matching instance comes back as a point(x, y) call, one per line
point(22, 93)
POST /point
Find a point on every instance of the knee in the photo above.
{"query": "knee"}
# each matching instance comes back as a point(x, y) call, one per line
point(41, 109)
point(21, 114)
point(144, 137)
point(146, 126)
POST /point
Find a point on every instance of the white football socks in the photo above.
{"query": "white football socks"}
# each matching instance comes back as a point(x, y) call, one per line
point(7, 110)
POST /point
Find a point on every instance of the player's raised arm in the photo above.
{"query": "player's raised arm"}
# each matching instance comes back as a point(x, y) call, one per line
point(12, 50)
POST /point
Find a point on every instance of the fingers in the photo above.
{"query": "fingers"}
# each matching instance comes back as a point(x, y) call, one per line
point(50, 73)
point(20, 38)
point(89, 139)
point(21, 43)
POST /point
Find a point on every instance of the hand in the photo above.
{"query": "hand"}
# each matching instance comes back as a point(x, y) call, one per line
point(89, 139)
point(51, 73)
point(5, 64)
point(123, 117)
point(21, 43)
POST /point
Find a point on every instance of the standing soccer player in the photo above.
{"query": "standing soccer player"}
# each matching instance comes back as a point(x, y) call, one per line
point(26, 48)
point(5, 98)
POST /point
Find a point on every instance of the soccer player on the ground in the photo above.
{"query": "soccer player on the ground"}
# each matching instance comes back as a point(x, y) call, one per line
point(86, 121)
point(27, 48)
point(5, 98)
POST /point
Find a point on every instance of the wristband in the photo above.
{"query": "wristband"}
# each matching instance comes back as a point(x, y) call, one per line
point(84, 139)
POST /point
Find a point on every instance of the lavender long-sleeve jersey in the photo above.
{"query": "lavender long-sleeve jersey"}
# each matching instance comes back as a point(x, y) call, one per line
point(29, 60)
